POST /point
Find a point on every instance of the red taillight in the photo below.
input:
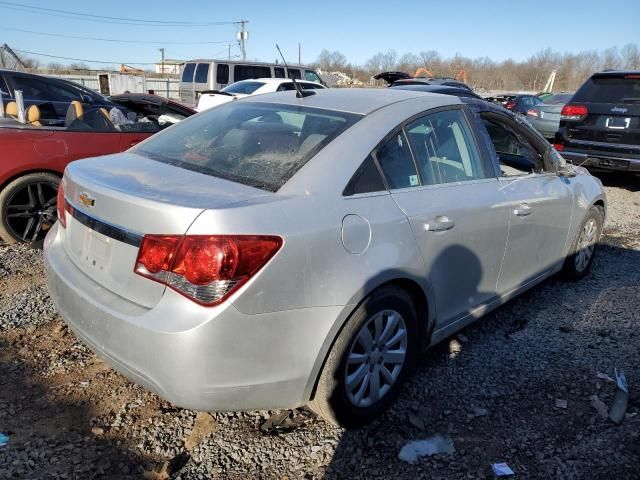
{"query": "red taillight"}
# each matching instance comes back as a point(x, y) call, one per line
point(532, 112)
point(510, 105)
point(60, 206)
point(573, 112)
point(634, 76)
point(558, 146)
point(205, 268)
point(157, 253)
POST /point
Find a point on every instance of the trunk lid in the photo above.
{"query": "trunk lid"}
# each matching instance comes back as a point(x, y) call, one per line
point(117, 199)
point(616, 123)
point(613, 105)
point(550, 112)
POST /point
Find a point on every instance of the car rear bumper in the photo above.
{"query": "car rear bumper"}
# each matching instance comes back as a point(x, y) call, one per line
point(602, 161)
point(224, 360)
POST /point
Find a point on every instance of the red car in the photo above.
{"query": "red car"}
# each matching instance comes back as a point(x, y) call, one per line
point(34, 157)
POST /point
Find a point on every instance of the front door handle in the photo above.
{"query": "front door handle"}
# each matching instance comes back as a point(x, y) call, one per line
point(440, 224)
point(522, 210)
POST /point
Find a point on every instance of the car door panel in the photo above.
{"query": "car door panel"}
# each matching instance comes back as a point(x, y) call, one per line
point(540, 214)
point(458, 214)
point(461, 230)
point(89, 144)
point(540, 203)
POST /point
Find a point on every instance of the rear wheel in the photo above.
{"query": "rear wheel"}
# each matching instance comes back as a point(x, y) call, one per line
point(28, 208)
point(370, 359)
point(583, 250)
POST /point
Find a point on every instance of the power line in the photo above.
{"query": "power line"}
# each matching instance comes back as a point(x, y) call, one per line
point(115, 40)
point(82, 59)
point(108, 19)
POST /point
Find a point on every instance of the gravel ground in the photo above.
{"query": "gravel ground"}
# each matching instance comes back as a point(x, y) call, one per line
point(492, 390)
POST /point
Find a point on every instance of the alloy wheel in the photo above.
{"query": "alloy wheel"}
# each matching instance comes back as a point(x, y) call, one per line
point(31, 211)
point(375, 358)
point(586, 244)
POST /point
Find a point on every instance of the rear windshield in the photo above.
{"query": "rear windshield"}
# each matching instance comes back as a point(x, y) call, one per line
point(243, 87)
point(609, 90)
point(558, 99)
point(258, 144)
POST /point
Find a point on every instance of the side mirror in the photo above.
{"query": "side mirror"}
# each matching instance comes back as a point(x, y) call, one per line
point(566, 171)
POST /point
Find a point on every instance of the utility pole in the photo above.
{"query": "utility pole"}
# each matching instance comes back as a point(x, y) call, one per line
point(229, 47)
point(242, 37)
point(299, 54)
point(162, 51)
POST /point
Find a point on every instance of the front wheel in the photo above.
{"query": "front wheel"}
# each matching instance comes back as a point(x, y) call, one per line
point(28, 208)
point(583, 249)
point(370, 359)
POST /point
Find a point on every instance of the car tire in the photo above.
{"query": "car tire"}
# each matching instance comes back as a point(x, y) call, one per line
point(336, 398)
point(33, 197)
point(583, 250)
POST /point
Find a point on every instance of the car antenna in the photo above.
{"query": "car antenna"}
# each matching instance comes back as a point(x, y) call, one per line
point(300, 93)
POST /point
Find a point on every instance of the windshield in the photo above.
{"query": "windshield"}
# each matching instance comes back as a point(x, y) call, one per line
point(246, 88)
point(257, 144)
point(609, 89)
point(558, 99)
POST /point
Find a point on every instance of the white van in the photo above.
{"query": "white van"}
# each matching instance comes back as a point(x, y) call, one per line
point(197, 76)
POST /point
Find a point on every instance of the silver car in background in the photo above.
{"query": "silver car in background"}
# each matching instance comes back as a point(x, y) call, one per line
point(546, 117)
point(279, 251)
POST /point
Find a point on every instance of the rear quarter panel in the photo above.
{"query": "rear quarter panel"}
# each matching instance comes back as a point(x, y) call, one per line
point(587, 190)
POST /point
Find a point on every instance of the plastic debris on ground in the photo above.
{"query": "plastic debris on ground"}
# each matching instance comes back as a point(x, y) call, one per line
point(501, 469)
point(619, 406)
point(604, 376)
point(561, 403)
point(4, 439)
point(284, 422)
point(599, 405)
point(435, 445)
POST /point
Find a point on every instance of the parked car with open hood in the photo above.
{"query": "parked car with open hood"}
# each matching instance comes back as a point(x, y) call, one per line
point(444, 89)
point(245, 88)
point(394, 79)
point(279, 250)
point(600, 126)
point(545, 117)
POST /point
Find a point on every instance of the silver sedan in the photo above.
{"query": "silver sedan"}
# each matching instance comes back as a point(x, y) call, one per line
point(279, 251)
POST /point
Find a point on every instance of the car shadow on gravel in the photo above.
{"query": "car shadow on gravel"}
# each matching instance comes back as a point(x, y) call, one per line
point(493, 387)
point(621, 180)
point(50, 435)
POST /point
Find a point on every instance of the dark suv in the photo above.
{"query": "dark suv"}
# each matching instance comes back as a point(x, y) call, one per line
point(600, 126)
point(51, 95)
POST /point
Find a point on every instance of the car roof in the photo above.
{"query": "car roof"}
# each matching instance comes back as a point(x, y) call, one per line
point(361, 101)
point(272, 80)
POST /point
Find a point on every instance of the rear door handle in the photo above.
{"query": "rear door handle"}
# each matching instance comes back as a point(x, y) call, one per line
point(440, 224)
point(522, 210)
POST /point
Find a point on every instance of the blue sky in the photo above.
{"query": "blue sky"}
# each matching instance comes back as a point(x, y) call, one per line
point(498, 29)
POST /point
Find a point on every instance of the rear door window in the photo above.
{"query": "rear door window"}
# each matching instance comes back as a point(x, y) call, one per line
point(244, 72)
point(612, 89)
point(187, 73)
point(396, 161)
point(445, 148)
point(257, 144)
point(202, 73)
point(222, 73)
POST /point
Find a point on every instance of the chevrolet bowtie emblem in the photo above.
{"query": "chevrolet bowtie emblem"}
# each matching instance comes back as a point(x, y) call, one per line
point(86, 199)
